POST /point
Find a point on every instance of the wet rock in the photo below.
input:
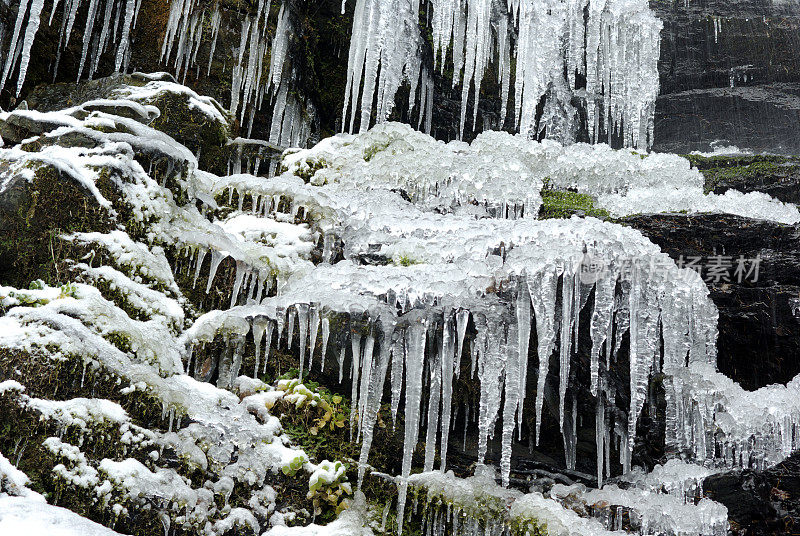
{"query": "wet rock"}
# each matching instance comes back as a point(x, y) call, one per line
point(762, 118)
point(760, 502)
point(777, 176)
point(759, 332)
point(35, 209)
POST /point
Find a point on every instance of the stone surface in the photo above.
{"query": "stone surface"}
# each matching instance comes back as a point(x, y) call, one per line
point(759, 326)
point(760, 502)
point(777, 176)
point(759, 118)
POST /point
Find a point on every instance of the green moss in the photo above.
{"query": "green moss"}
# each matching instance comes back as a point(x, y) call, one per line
point(741, 171)
point(406, 260)
point(563, 204)
point(307, 172)
point(52, 205)
point(528, 527)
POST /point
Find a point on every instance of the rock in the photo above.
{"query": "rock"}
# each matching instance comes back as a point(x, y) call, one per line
point(721, 43)
point(34, 213)
point(777, 176)
point(761, 118)
point(760, 502)
point(19, 125)
point(759, 333)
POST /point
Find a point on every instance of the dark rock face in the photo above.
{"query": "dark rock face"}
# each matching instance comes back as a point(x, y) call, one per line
point(760, 502)
point(729, 71)
point(759, 326)
point(760, 118)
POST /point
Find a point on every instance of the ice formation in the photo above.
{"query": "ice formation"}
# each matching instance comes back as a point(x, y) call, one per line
point(613, 43)
point(411, 261)
point(98, 35)
point(478, 505)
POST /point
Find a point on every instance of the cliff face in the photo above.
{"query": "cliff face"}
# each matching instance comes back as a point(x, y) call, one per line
point(729, 71)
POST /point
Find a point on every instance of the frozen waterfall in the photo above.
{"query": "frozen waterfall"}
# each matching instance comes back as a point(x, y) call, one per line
point(612, 44)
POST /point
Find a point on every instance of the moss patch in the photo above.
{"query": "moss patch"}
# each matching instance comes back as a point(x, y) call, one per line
point(563, 204)
point(31, 224)
point(744, 172)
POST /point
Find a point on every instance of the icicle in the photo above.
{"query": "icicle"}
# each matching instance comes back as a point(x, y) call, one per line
point(291, 314)
point(466, 424)
point(373, 397)
point(513, 395)
point(355, 346)
point(435, 391)
point(398, 359)
point(447, 362)
point(302, 319)
point(523, 309)
point(260, 324)
point(30, 35)
point(601, 324)
point(201, 256)
point(415, 358)
point(313, 328)
point(326, 332)
point(241, 269)
point(280, 320)
point(462, 319)
point(492, 356)
point(599, 426)
point(565, 343)
point(216, 259)
point(542, 288)
point(366, 371)
point(341, 361)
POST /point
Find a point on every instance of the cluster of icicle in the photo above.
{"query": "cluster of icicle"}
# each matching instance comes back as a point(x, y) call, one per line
point(477, 505)
point(261, 68)
point(406, 320)
point(713, 420)
point(614, 44)
point(385, 51)
point(107, 22)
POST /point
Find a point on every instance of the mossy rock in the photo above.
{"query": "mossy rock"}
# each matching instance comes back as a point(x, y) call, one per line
point(34, 214)
point(778, 176)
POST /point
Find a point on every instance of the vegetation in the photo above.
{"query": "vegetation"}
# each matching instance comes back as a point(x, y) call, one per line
point(563, 204)
point(743, 171)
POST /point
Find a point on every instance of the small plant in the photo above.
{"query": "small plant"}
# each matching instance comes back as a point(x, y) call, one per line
point(328, 486)
point(326, 409)
point(406, 260)
point(291, 468)
point(69, 290)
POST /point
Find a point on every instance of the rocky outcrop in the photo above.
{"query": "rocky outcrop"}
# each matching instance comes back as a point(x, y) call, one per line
point(759, 324)
point(760, 502)
point(778, 176)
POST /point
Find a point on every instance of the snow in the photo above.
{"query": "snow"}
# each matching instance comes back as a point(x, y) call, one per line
point(79, 411)
point(24, 515)
point(23, 511)
point(158, 88)
point(351, 522)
